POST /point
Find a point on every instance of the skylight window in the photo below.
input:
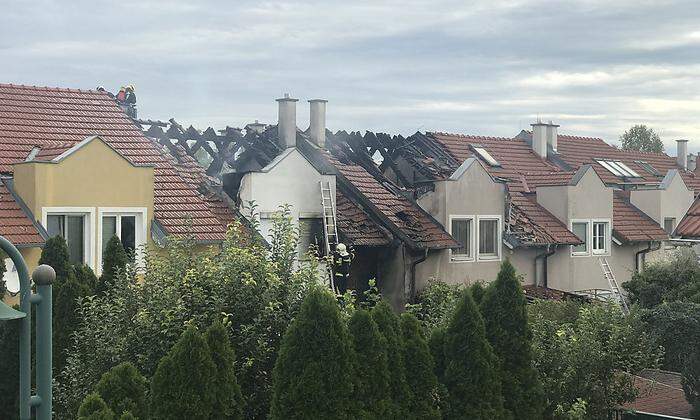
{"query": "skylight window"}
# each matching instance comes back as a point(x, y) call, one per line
point(485, 155)
point(618, 168)
point(647, 167)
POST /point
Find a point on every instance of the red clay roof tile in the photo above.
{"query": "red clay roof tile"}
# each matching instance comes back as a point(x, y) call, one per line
point(631, 224)
point(15, 224)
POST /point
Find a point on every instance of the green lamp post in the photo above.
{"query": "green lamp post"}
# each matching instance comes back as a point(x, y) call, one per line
point(43, 277)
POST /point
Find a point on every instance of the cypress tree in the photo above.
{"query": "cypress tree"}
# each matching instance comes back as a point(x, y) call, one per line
point(390, 329)
point(123, 389)
point(436, 343)
point(507, 329)
point(85, 276)
point(114, 260)
point(66, 319)
point(312, 378)
point(471, 376)
point(94, 408)
point(182, 387)
point(420, 376)
point(9, 361)
point(478, 291)
point(371, 366)
point(55, 254)
point(228, 401)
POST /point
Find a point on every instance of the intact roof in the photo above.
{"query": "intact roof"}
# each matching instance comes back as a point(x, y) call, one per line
point(689, 226)
point(631, 224)
point(56, 118)
point(16, 222)
point(660, 392)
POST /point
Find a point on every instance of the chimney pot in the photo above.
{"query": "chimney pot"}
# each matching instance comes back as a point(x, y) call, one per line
point(317, 123)
point(287, 121)
point(682, 153)
point(539, 138)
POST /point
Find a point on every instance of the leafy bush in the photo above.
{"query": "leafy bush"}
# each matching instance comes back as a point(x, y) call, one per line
point(420, 375)
point(691, 380)
point(435, 304)
point(123, 389)
point(676, 327)
point(9, 360)
point(94, 408)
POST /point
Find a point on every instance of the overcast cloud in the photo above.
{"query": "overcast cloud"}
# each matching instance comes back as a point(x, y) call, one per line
point(477, 67)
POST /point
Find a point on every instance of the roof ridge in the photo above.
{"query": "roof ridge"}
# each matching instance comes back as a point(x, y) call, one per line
point(468, 136)
point(48, 88)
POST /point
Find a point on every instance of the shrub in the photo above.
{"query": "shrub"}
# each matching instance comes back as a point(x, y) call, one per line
point(114, 261)
point(471, 374)
point(478, 291)
point(676, 327)
point(9, 360)
point(66, 318)
point(312, 378)
point(435, 304)
point(508, 331)
point(182, 386)
point(55, 254)
point(228, 401)
point(94, 408)
point(389, 327)
point(371, 366)
point(420, 375)
point(85, 276)
point(123, 389)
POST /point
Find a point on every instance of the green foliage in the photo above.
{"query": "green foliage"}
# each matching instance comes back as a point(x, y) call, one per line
point(676, 327)
point(284, 242)
point(436, 343)
point(508, 331)
point(676, 279)
point(478, 292)
point(123, 389)
point(587, 360)
point(66, 318)
point(94, 408)
point(182, 386)
point(114, 261)
point(313, 373)
point(470, 374)
point(390, 329)
point(371, 297)
point(420, 375)
point(85, 276)
point(372, 392)
point(55, 254)
point(3, 270)
point(642, 138)
point(228, 401)
point(127, 416)
point(691, 380)
point(435, 304)
point(9, 360)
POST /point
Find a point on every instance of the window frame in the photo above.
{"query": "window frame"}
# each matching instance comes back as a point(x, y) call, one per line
point(141, 228)
point(499, 238)
point(608, 238)
point(588, 239)
point(673, 229)
point(88, 214)
point(457, 258)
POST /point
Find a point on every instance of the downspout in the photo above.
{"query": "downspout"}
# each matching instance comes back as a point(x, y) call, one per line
point(642, 254)
point(413, 274)
point(543, 282)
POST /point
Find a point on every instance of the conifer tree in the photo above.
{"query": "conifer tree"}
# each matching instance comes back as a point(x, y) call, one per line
point(228, 401)
point(9, 361)
point(114, 260)
point(66, 318)
point(389, 327)
point(371, 367)
point(506, 321)
point(85, 276)
point(478, 291)
point(420, 377)
point(312, 378)
point(3, 269)
point(436, 343)
point(471, 376)
point(182, 386)
point(123, 389)
point(94, 408)
point(127, 416)
point(55, 254)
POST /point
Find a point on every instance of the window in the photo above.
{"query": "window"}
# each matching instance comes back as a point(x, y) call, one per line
point(129, 225)
point(311, 235)
point(485, 155)
point(618, 168)
point(124, 227)
point(669, 225)
point(600, 237)
point(580, 229)
point(648, 167)
point(489, 238)
point(461, 230)
point(72, 229)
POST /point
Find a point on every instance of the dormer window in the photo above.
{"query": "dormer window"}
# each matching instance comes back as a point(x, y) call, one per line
point(647, 167)
point(618, 168)
point(485, 156)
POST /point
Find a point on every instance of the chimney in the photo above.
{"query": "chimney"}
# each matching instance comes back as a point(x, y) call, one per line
point(287, 121)
point(692, 162)
point(682, 153)
point(539, 138)
point(317, 125)
point(256, 127)
point(552, 135)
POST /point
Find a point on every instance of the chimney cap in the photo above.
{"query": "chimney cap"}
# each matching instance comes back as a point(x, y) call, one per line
point(318, 100)
point(682, 140)
point(287, 99)
point(539, 123)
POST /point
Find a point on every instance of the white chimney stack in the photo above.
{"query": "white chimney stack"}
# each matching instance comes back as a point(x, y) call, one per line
point(539, 138)
point(692, 162)
point(287, 121)
point(552, 135)
point(682, 153)
point(317, 127)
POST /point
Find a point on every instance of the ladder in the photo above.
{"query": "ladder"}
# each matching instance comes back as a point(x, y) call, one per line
point(614, 287)
point(330, 231)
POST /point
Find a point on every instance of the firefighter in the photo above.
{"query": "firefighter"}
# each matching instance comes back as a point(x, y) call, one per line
point(130, 95)
point(121, 96)
point(341, 267)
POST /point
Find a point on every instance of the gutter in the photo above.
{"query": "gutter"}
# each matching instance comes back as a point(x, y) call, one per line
point(413, 274)
point(643, 253)
point(548, 253)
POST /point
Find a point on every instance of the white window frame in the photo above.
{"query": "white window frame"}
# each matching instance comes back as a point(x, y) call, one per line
point(675, 223)
point(460, 258)
point(588, 239)
point(89, 222)
point(499, 238)
point(141, 214)
point(608, 238)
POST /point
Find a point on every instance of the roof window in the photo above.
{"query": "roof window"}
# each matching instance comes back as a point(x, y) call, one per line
point(485, 156)
point(618, 168)
point(647, 167)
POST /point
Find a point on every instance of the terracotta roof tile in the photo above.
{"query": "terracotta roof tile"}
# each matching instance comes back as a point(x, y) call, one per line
point(689, 226)
point(48, 117)
point(356, 225)
point(660, 393)
point(15, 225)
point(631, 224)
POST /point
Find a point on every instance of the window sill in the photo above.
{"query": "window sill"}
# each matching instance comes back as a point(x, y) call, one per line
point(461, 260)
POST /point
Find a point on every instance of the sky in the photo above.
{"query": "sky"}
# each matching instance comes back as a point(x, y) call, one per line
point(474, 67)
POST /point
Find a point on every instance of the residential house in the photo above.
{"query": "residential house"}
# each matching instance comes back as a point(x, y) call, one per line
point(73, 164)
